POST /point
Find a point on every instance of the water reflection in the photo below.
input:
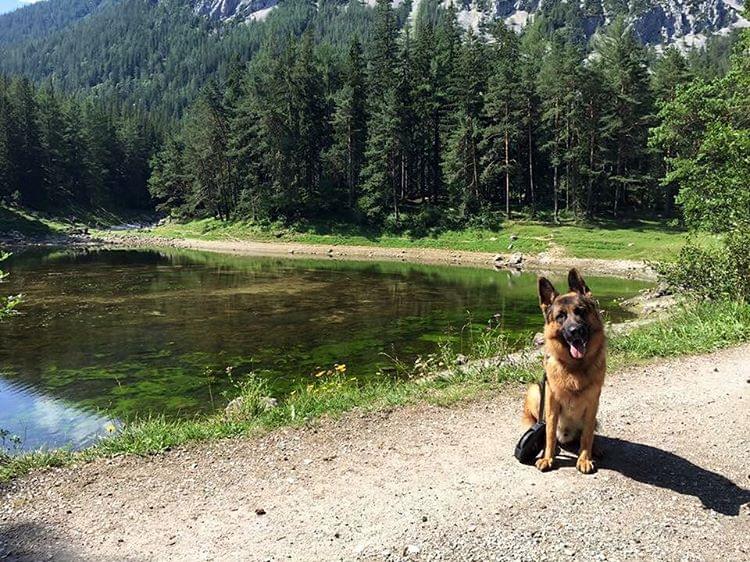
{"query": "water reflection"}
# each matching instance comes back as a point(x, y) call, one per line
point(29, 420)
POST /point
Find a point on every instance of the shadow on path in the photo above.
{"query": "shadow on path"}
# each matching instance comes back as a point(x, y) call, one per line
point(656, 467)
point(22, 542)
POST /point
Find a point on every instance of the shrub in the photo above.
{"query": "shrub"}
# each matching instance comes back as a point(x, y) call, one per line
point(722, 273)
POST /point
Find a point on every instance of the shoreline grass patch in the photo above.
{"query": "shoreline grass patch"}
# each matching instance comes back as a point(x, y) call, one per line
point(637, 240)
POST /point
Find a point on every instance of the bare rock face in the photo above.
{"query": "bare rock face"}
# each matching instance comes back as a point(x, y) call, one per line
point(656, 22)
point(225, 10)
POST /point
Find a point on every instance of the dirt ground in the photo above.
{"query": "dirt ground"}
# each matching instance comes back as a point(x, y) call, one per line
point(423, 483)
point(544, 262)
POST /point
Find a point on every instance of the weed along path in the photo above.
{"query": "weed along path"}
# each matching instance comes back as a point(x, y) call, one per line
point(422, 483)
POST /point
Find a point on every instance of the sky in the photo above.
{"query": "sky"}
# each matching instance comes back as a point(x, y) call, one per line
point(8, 5)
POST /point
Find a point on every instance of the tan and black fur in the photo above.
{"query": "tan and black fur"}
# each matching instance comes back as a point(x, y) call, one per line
point(575, 363)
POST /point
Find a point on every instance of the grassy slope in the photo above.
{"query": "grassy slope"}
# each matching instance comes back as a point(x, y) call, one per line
point(700, 328)
point(26, 223)
point(35, 224)
point(606, 240)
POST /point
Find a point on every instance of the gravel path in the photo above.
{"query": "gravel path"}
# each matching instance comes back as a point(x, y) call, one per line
point(423, 483)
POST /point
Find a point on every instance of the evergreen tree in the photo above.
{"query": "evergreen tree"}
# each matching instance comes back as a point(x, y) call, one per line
point(349, 123)
point(531, 53)
point(622, 61)
point(462, 160)
point(503, 114)
point(670, 72)
point(558, 89)
point(206, 139)
point(309, 125)
point(381, 174)
point(25, 144)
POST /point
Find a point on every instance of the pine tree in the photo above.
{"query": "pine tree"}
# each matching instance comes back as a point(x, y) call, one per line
point(349, 122)
point(503, 114)
point(25, 144)
point(591, 112)
point(310, 118)
point(462, 157)
point(169, 184)
point(381, 175)
point(531, 53)
point(622, 61)
point(670, 72)
point(6, 170)
point(557, 90)
point(247, 150)
point(206, 137)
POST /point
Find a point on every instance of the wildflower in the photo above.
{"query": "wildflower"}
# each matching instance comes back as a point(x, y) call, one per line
point(340, 368)
point(110, 428)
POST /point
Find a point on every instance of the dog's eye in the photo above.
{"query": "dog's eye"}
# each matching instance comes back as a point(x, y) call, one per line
point(561, 317)
point(580, 311)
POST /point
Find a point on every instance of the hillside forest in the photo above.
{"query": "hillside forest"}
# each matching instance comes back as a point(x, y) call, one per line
point(394, 123)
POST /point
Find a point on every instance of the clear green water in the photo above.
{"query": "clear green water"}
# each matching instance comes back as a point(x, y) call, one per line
point(117, 334)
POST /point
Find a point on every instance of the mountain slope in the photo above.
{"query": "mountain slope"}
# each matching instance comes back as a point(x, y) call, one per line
point(157, 54)
point(41, 19)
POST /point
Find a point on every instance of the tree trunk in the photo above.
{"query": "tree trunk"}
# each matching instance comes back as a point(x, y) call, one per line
point(554, 190)
point(350, 165)
point(531, 164)
point(507, 176)
point(590, 190)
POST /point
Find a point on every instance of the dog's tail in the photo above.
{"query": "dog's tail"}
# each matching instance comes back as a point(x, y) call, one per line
point(531, 405)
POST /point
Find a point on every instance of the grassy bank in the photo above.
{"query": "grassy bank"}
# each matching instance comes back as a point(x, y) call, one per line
point(635, 239)
point(652, 240)
point(697, 328)
point(34, 224)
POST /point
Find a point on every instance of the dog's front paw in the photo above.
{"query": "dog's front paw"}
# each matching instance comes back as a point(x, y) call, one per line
point(585, 465)
point(544, 464)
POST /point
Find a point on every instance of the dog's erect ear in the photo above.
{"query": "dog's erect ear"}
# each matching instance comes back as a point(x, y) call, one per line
point(547, 293)
point(577, 284)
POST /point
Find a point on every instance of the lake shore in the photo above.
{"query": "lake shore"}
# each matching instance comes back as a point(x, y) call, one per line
point(541, 262)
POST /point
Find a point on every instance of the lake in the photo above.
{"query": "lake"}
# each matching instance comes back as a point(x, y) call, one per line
point(107, 336)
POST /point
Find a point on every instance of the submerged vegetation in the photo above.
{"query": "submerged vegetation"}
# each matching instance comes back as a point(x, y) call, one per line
point(441, 379)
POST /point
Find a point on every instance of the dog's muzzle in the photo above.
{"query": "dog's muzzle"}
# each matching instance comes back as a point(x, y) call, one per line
point(577, 338)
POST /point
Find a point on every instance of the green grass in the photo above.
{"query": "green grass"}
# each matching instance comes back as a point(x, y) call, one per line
point(650, 240)
point(693, 328)
point(697, 328)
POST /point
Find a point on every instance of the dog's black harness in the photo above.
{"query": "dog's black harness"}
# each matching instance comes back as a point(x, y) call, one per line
point(532, 441)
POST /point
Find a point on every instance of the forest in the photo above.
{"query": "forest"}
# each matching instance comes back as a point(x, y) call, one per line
point(59, 153)
point(382, 121)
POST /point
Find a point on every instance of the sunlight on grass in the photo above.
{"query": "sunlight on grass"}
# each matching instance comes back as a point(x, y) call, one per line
point(605, 240)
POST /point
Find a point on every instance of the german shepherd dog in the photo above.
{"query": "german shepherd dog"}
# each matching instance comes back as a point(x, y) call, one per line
point(575, 362)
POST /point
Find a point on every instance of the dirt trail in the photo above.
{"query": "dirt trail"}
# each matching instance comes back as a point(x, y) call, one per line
point(545, 262)
point(423, 483)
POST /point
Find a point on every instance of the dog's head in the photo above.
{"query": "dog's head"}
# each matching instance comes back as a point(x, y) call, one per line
point(572, 323)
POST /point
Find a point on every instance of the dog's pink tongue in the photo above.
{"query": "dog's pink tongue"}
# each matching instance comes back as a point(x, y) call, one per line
point(575, 352)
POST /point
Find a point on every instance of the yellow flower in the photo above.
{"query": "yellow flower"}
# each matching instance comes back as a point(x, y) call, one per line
point(340, 368)
point(320, 374)
point(110, 428)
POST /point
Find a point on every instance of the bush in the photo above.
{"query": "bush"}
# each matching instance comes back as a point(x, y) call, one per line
point(722, 273)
